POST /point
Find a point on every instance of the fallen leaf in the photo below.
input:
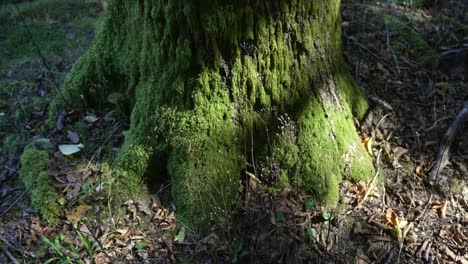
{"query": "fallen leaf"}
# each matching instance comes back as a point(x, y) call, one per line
point(74, 138)
point(101, 258)
point(420, 172)
point(143, 207)
point(44, 143)
point(91, 118)
point(131, 206)
point(70, 149)
point(368, 145)
point(180, 237)
point(441, 208)
point(113, 98)
point(170, 246)
point(60, 117)
point(142, 245)
point(392, 219)
point(75, 215)
point(398, 152)
point(74, 191)
point(448, 252)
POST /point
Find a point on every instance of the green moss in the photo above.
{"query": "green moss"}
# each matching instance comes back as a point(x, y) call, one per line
point(132, 163)
point(82, 130)
point(207, 79)
point(463, 28)
point(456, 184)
point(408, 39)
point(33, 174)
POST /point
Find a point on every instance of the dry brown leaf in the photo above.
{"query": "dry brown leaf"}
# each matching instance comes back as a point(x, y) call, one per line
point(101, 258)
point(411, 237)
point(75, 215)
point(441, 208)
point(368, 145)
point(392, 219)
point(169, 244)
point(449, 253)
point(422, 248)
point(398, 152)
point(143, 207)
point(420, 172)
point(131, 206)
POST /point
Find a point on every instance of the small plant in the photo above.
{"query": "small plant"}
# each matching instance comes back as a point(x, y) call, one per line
point(61, 254)
point(240, 252)
point(65, 251)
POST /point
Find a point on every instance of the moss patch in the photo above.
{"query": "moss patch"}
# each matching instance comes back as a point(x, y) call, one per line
point(408, 39)
point(33, 174)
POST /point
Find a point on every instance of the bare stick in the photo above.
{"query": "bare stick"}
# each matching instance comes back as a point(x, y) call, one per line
point(39, 52)
point(372, 181)
point(13, 204)
point(10, 256)
point(443, 154)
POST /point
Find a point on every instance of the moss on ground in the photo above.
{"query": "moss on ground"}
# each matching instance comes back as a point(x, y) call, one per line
point(56, 27)
point(33, 174)
point(207, 80)
point(408, 39)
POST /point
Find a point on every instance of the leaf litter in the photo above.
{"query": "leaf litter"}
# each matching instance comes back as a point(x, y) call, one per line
point(400, 218)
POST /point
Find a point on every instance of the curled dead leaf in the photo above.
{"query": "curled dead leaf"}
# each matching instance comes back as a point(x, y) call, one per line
point(441, 208)
point(368, 145)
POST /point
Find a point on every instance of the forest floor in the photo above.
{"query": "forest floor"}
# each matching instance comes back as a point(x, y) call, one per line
point(413, 64)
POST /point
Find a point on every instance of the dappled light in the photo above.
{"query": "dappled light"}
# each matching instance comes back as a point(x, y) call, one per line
point(175, 131)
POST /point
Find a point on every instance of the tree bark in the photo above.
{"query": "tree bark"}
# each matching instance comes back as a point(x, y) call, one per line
point(221, 88)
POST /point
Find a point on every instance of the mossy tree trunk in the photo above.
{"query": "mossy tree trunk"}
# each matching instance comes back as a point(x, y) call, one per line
point(221, 88)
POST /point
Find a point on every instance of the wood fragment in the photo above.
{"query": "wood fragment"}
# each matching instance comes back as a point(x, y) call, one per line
point(443, 154)
point(10, 256)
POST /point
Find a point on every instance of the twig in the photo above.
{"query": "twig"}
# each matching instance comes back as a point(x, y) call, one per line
point(391, 49)
point(450, 51)
point(444, 150)
point(381, 102)
point(10, 256)
point(13, 204)
point(43, 60)
point(372, 181)
point(423, 215)
point(10, 169)
point(381, 120)
point(9, 245)
point(371, 53)
point(435, 124)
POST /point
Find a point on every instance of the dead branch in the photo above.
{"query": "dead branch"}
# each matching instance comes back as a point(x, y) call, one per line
point(443, 154)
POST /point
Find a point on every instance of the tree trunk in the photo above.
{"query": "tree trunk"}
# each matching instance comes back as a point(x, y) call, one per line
point(220, 89)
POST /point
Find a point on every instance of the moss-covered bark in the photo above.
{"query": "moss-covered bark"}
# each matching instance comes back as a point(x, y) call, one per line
point(216, 85)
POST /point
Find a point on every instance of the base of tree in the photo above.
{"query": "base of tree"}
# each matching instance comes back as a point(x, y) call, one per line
point(217, 90)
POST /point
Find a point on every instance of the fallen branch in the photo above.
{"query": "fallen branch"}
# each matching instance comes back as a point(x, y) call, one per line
point(14, 203)
point(10, 256)
point(443, 154)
